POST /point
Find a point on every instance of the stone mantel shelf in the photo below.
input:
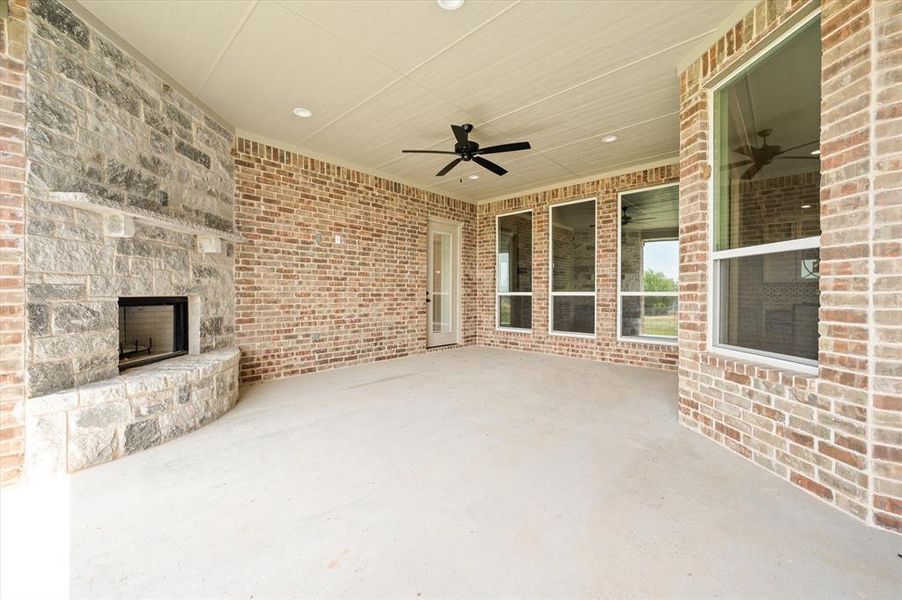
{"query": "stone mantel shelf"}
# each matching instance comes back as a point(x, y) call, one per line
point(119, 219)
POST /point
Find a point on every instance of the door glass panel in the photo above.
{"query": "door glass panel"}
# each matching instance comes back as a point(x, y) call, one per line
point(441, 283)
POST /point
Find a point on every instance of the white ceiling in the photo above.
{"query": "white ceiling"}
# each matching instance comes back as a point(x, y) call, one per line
point(382, 76)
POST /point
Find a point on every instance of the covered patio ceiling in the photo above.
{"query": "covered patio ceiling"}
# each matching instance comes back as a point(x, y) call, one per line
point(382, 76)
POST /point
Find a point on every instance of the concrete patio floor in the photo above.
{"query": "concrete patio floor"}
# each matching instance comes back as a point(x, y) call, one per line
point(471, 471)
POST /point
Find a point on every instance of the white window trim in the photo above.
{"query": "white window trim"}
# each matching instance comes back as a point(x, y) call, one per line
point(499, 294)
point(552, 294)
point(642, 339)
point(780, 361)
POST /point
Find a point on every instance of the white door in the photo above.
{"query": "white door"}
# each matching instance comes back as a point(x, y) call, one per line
point(443, 284)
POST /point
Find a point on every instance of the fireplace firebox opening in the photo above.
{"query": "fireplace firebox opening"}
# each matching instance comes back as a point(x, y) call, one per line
point(152, 329)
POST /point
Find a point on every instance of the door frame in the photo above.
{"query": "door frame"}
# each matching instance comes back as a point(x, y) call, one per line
point(456, 230)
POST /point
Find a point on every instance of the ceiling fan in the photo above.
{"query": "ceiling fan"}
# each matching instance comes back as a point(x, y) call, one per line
point(626, 218)
point(467, 150)
point(762, 155)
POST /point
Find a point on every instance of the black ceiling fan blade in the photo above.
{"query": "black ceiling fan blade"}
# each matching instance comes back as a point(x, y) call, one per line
point(448, 167)
point(739, 163)
point(512, 147)
point(430, 151)
point(744, 149)
point(496, 169)
point(799, 146)
point(460, 133)
point(752, 171)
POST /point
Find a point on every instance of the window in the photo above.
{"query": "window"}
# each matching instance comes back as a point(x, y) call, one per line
point(766, 230)
point(572, 306)
point(514, 269)
point(649, 263)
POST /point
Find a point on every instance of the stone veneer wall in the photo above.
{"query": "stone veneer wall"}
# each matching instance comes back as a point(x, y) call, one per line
point(12, 236)
point(837, 435)
point(99, 121)
point(604, 346)
point(305, 303)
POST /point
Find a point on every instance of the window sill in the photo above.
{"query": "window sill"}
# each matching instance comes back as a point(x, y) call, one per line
point(583, 336)
point(648, 340)
point(513, 329)
point(767, 361)
point(749, 365)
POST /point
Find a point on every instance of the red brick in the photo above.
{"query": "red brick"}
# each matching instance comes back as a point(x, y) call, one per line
point(812, 486)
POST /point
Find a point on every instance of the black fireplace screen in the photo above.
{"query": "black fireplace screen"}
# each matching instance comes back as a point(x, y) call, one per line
point(152, 329)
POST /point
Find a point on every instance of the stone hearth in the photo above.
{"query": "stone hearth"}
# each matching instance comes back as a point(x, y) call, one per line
point(145, 406)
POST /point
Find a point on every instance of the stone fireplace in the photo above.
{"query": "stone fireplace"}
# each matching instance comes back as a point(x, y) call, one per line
point(129, 197)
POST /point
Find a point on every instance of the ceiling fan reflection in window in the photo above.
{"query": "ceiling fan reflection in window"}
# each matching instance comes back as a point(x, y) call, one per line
point(764, 154)
point(626, 215)
point(760, 156)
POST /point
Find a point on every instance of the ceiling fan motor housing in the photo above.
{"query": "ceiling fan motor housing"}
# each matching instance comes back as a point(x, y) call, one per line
point(466, 152)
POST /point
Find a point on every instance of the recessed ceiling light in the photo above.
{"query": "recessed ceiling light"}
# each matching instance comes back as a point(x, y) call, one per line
point(609, 138)
point(473, 176)
point(450, 4)
point(816, 152)
point(806, 206)
point(302, 112)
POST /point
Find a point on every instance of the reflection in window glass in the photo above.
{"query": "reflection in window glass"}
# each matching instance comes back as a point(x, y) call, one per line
point(514, 270)
point(769, 303)
point(573, 268)
point(649, 262)
point(766, 192)
point(574, 314)
point(768, 147)
point(573, 247)
point(515, 312)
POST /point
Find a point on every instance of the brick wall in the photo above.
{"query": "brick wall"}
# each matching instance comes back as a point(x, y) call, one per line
point(886, 431)
point(12, 232)
point(823, 433)
point(306, 303)
point(604, 346)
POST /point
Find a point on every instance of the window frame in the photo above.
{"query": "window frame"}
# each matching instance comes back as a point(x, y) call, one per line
point(773, 359)
point(551, 293)
point(658, 340)
point(498, 293)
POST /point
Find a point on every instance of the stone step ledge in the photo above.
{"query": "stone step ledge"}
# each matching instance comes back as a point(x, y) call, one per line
point(145, 406)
